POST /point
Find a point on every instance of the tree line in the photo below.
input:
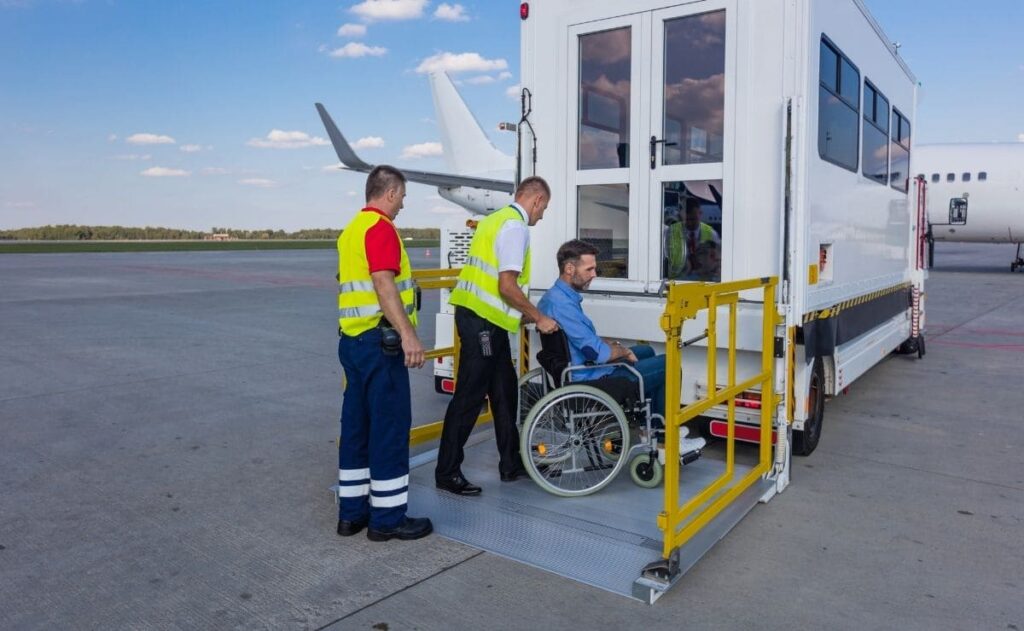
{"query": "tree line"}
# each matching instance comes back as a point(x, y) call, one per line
point(123, 233)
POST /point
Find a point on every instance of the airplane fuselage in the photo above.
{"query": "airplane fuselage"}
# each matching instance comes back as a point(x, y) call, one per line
point(986, 179)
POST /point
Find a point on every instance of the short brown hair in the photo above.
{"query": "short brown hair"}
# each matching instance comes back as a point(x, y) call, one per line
point(572, 251)
point(382, 179)
point(533, 185)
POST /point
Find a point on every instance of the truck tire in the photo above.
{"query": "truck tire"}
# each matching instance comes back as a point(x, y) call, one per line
point(804, 442)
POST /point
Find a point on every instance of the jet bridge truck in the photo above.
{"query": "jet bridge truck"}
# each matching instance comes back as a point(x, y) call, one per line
point(720, 140)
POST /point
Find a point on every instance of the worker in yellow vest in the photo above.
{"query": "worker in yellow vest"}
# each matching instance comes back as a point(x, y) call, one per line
point(490, 300)
point(378, 345)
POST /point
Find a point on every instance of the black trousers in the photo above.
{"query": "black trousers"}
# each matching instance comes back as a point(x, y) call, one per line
point(478, 377)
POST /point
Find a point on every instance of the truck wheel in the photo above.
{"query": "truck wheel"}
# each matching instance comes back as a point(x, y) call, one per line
point(804, 442)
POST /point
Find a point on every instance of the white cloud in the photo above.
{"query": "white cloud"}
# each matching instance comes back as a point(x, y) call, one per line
point(480, 80)
point(111, 137)
point(389, 9)
point(512, 91)
point(369, 142)
point(451, 13)
point(164, 172)
point(149, 139)
point(1020, 137)
point(422, 150)
point(352, 30)
point(258, 182)
point(448, 210)
point(460, 62)
point(132, 157)
point(351, 193)
point(332, 168)
point(353, 50)
point(190, 148)
point(215, 171)
point(502, 76)
point(278, 139)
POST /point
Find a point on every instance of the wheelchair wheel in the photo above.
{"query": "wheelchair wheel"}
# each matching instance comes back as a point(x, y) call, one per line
point(646, 471)
point(574, 441)
point(532, 386)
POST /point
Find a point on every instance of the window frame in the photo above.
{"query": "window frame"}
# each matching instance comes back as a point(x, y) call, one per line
point(873, 121)
point(855, 105)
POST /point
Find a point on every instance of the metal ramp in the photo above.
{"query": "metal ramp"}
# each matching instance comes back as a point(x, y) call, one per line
point(603, 540)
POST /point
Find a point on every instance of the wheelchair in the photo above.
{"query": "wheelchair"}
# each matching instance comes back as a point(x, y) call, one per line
point(576, 437)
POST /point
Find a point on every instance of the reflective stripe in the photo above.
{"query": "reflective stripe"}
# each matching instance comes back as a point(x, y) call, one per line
point(491, 301)
point(359, 312)
point(405, 285)
point(352, 475)
point(389, 501)
point(410, 309)
point(359, 490)
point(389, 485)
point(355, 285)
point(487, 268)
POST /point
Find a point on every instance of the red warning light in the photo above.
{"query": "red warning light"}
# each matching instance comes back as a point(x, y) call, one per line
point(524, 10)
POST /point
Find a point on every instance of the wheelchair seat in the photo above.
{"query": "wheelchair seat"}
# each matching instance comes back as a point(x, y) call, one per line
point(554, 357)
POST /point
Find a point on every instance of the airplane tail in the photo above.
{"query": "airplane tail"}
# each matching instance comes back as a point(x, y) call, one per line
point(466, 148)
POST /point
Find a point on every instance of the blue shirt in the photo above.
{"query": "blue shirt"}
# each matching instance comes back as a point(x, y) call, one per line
point(564, 304)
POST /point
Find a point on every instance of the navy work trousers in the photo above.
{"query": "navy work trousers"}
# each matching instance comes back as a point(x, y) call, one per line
point(373, 457)
point(480, 376)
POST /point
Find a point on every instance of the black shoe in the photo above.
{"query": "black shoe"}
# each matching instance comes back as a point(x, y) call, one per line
point(409, 528)
point(348, 528)
point(514, 475)
point(458, 485)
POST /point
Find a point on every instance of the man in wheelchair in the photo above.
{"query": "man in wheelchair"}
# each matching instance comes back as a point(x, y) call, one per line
point(576, 438)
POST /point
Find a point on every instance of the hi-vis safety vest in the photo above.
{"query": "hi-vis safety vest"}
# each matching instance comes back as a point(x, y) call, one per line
point(358, 308)
point(477, 287)
point(677, 248)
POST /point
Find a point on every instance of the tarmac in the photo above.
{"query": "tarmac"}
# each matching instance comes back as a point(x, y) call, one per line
point(168, 440)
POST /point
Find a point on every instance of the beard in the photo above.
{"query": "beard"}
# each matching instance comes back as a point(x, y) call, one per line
point(578, 284)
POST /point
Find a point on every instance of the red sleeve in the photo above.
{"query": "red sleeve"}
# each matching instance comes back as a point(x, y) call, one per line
point(383, 250)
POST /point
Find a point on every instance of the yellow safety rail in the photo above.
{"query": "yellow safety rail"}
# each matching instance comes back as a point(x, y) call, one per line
point(439, 279)
point(685, 300)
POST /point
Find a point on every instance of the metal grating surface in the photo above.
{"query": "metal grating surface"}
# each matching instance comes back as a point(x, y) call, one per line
point(603, 540)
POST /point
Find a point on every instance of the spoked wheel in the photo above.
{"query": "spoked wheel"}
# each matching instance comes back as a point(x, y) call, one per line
point(574, 441)
point(532, 386)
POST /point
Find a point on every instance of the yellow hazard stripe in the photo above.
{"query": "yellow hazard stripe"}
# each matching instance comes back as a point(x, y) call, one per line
point(834, 310)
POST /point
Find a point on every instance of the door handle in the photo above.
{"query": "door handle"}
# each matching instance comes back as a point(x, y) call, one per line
point(655, 141)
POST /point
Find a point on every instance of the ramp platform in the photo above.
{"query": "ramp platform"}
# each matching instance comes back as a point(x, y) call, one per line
point(603, 540)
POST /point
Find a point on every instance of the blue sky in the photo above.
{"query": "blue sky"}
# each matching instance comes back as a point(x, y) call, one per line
point(200, 114)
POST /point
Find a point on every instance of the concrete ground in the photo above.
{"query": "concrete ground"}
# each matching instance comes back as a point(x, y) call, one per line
point(169, 425)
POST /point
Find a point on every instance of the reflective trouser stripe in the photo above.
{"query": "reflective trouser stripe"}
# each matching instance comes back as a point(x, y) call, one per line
point(389, 485)
point(353, 475)
point(389, 501)
point(357, 490)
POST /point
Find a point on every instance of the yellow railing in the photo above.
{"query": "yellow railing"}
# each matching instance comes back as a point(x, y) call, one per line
point(439, 279)
point(685, 301)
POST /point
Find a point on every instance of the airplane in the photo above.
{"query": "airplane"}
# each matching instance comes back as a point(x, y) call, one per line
point(481, 178)
point(975, 194)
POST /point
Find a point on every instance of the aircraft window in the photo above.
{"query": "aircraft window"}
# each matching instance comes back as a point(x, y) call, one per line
point(874, 142)
point(951, 177)
point(966, 177)
point(691, 242)
point(604, 98)
point(603, 220)
point(899, 150)
point(982, 176)
point(935, 177)
point(838, 101)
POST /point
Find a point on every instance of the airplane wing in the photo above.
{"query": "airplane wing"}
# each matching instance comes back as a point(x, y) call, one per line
point(352, 162)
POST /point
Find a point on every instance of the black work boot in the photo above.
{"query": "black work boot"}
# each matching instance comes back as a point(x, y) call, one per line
point(407, 529)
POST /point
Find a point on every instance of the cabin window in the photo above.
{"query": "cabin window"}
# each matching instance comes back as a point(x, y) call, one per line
point(604, 221)
point(874, 139)
point(951, 177)
point(604, 99)
point(838, 101)
point(966, 177)
point(899, 171)
point(982, 176)
point(691, 241)
point(935, 177)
